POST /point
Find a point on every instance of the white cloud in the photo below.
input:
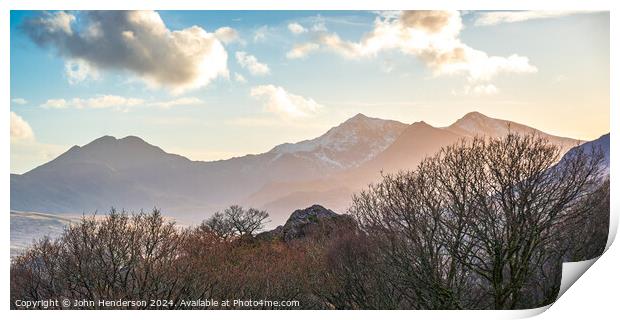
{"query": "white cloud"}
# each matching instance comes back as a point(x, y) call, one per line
point(186, 101)
point(251, 63)
point(117, 103)
point(260, 34)
point(78, 70)
point(431, 36)
point(227, 35)
point(20, 101)
point(318, 23)
point(287, 105)
point(388, 14)
point(98, 102)
point(497, 17)
point(26, 151)
point(240, 78)
point(319, 26)
point(20, 129)
point(55, 104)
point(302, 50)
point(296, 28)
point(135, 41)
point(58, 22)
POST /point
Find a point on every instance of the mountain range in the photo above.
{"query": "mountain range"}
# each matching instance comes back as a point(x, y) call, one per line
point(132, 174)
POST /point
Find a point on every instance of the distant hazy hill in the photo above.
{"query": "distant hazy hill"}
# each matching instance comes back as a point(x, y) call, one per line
point(132, 174)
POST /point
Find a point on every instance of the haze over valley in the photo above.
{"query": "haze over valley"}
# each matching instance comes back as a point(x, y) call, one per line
point(131, 174)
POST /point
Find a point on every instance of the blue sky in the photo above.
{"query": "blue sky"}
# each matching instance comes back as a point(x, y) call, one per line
point(215, 84)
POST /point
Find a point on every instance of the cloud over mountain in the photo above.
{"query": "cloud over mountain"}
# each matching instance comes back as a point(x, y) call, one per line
point(431, 36)
point(134, 41)
point(287, 105)
point(497, 17)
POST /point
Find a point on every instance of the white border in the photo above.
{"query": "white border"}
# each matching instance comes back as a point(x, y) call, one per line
point(595, 294)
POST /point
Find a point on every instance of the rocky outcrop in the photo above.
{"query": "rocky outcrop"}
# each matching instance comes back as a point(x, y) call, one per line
point(314, 221)
point(298, 222)
point(275, 234)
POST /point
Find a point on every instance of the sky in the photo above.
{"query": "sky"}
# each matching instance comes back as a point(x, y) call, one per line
point(212, 85)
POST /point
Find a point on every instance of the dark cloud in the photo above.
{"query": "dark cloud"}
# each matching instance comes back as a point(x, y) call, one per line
point(431, 21)
point(136, 41)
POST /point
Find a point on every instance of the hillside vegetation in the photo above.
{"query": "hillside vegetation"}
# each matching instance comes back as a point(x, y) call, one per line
point(482, 224)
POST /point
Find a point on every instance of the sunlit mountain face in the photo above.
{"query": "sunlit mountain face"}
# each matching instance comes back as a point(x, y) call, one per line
point(129, 173)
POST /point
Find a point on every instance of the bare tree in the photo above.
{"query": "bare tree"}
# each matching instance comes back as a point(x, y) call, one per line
point(246, 222)
point(524, 200)
point(485, 223)
point(402, 216)
point(347, 274)
point(116, 257)
point(236, 221)
point(470, 225)
point(219, 225)
point(589, 237)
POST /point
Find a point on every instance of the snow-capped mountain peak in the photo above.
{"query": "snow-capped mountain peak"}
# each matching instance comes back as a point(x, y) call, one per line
point(352, 142)
point(476, 123)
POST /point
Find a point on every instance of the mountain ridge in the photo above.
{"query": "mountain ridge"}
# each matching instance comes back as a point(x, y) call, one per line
point(475, 123)
point(130, 173)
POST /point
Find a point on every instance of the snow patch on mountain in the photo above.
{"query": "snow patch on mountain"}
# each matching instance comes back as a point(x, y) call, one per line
point(347, 145)
point(475, 123)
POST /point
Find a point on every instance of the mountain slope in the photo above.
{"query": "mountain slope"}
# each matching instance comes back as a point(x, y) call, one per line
point(106, 172)
point(416, 142)
point(477, 124)
point(129, 173)
point(347, 145)
point(602, 144)
point(132, 174)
